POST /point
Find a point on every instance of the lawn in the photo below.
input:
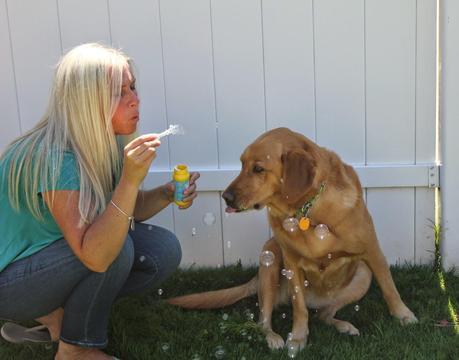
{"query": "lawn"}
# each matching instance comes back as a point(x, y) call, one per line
point(145, 327)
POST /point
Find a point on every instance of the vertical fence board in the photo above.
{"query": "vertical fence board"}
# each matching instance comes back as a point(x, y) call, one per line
point(8, 102)
point(238, 66)
point(36, 48)
point(200, 237)
point(425, 124)
point(340, 81)
point(136, 29)
point(244, 236)
point(450, 130)
point(392, 212)
point(390, 80)
point(83, 21)
point(190, 101)
point(289, 65)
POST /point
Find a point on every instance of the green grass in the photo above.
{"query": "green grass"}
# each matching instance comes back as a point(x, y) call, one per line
point(144, 327)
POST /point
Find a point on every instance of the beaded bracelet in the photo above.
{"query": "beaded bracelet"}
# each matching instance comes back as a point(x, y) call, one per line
point(130, 218)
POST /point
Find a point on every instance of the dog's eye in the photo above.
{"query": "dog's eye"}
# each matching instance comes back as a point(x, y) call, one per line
point(258, 169)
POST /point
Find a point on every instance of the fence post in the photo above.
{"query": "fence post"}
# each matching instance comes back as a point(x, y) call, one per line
point(449, 115)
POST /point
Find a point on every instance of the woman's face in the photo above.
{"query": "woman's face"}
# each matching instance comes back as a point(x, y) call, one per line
point(126, 116)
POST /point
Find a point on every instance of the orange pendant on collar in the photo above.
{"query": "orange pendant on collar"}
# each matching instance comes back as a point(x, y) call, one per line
point(304, 223)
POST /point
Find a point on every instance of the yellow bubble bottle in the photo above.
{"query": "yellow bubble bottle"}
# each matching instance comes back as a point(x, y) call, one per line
point(181, 179)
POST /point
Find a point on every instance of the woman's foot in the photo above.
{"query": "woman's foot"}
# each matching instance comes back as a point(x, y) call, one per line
point(72, 352)
point(53, 323)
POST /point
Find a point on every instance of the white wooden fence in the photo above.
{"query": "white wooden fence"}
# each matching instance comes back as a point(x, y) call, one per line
point(356, 76)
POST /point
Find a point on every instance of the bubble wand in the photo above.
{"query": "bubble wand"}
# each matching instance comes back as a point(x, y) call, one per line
point(173, 130)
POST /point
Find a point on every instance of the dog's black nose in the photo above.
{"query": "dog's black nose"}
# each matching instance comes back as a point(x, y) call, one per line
point(228, 195)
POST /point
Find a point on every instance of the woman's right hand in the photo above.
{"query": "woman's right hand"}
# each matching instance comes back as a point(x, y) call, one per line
point(138, 156)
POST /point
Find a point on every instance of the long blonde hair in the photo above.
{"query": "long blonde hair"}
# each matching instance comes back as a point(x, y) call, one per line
point(84, 96)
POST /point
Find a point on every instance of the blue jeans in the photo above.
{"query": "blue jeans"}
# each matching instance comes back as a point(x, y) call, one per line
point(54, 277)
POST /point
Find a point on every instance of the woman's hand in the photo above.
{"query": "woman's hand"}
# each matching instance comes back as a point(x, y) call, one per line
point(190, 192)
point(138, 156)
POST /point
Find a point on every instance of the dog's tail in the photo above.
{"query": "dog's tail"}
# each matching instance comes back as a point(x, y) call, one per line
point(218, 298)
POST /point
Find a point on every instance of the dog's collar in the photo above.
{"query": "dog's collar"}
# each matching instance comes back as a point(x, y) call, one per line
point(301, 218)
point(304, 210)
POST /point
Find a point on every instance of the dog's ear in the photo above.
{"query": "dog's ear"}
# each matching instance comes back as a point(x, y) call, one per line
point(299, 169)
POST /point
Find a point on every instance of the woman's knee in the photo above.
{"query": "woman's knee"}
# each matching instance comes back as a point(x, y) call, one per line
point(123, 262)
point(173, 248)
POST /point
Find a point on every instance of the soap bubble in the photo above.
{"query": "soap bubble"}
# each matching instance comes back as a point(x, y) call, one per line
point(297, 289)
point(267, 258)
point(165, 347)
point(357, 307)
point(283, 315)
point(289, 274)
point(219, 352)
point(292, 350)
point(142, 258)
point(306, 283)
point(329, 256)
point(228, 244)
point(160, 292)
point(321, 231)
point(193, 231)
point(195, 357)
point(283, 272)
point(225, 316)
point(290, 224)
point(209, 219)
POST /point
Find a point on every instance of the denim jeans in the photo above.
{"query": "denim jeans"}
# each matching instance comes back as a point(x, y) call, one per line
point(54, 277)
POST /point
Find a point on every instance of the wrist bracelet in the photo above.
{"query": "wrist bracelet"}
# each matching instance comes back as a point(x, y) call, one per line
point(130, 218)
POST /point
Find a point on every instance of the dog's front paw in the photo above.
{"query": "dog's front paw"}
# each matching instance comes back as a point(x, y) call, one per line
point(406, 316)
point(274, 340)
point(408, 319)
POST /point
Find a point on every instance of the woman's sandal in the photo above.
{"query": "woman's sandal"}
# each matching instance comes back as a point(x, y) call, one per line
point(17, 334)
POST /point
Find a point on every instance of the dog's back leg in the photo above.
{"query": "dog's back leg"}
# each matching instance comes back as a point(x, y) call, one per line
point(269, 293)
point(354, 291)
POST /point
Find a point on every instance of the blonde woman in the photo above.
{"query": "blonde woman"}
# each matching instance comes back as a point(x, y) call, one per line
point(69, 196)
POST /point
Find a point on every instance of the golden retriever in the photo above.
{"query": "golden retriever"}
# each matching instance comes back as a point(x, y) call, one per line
point(328, 259)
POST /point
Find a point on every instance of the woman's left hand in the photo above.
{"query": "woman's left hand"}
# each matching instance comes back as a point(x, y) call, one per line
point(189, 193)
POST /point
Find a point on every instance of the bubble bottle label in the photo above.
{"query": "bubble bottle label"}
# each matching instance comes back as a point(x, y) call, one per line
point(181, 179)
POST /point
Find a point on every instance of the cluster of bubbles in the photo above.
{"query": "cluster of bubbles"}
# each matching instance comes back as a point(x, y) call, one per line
point(290, 224)
point(287, 273)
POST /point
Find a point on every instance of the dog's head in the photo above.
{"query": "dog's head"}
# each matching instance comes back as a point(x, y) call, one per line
point(279, 166)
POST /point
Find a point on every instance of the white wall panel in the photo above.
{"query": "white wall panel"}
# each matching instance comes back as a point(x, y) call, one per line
point(83, 21)
point(340, 83)
point(190, 100)
point(36, 48)
point(244, 236)
point(239, 86)
point(392, 211)
point(390, 28)
point(289, 65)
point(200, 238)
point(8, 104)
point(358, 76)
point(136, 29)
